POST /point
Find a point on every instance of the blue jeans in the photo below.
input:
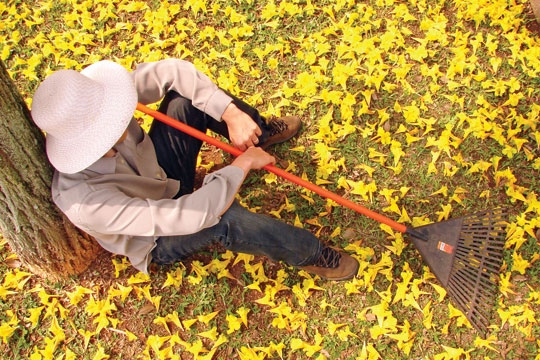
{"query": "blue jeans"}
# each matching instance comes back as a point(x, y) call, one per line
point(239, 230)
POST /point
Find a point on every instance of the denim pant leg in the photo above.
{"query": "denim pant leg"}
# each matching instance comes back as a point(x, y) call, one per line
point(176, 151)
point(240, 230)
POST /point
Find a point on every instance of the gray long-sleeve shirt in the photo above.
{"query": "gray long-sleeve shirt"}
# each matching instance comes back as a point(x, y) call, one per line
point(125, 201)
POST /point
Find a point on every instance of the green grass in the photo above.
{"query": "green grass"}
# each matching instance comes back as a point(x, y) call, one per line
point(335, 63)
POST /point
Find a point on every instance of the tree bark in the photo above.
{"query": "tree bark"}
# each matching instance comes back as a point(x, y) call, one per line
point(43, 238)
point(535, 5)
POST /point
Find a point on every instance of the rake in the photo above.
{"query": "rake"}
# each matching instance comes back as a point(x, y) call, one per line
point(465, 254)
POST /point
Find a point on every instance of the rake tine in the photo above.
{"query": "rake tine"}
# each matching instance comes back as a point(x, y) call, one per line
point(477, 316)
point(479, 260)
point(462, 301)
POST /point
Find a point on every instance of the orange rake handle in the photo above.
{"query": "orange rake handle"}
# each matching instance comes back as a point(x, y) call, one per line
point(273, 169)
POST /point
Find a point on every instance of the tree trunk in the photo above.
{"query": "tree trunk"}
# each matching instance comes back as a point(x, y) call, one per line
point(42, 237)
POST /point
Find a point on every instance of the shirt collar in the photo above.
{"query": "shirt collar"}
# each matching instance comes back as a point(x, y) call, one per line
point(105, 165)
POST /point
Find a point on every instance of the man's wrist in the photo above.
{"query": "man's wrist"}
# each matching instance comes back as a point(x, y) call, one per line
point(243, 163)
point(229, 113)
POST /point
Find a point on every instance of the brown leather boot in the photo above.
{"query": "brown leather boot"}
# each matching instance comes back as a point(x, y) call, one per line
point(333, 265)
point(282, 129)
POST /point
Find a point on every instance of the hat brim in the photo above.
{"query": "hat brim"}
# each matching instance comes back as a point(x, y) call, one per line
point(74, 154)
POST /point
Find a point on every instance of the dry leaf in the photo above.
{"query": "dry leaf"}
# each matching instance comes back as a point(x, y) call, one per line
point(147, 309)
point(13, 263)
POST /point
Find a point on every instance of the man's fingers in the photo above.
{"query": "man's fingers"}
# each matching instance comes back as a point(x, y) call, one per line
point(240, 146)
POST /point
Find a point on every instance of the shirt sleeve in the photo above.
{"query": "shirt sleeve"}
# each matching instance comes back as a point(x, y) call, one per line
point(109, 211)
point(153, 80)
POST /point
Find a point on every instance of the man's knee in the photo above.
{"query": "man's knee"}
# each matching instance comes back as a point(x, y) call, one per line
point(174, 104)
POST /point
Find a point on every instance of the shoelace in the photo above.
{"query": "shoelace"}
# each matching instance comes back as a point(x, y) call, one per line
point(277, 126)
point(329, 258)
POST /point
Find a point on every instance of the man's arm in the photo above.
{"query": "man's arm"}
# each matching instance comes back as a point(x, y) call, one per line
point(153, 80)
point(109, 211)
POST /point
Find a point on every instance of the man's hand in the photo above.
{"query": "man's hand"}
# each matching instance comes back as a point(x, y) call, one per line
point(243, 131)
point(252, 159)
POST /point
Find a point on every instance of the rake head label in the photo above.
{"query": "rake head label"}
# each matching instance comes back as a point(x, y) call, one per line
point(449, 249)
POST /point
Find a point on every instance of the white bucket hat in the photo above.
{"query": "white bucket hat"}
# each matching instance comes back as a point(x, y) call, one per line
point(84, 114)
